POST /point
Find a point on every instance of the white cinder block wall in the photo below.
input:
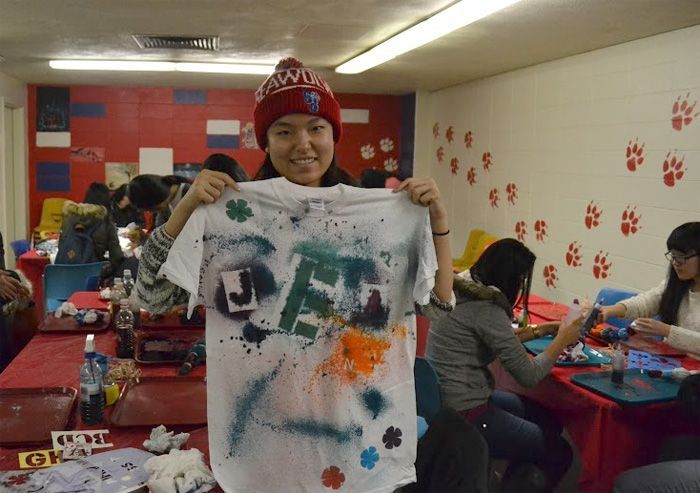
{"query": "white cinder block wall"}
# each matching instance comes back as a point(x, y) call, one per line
point(560, 132)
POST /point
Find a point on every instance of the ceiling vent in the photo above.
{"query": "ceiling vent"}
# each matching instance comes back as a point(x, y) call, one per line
point(203, 43)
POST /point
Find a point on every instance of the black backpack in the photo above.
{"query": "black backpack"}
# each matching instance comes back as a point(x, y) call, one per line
point(77, 246)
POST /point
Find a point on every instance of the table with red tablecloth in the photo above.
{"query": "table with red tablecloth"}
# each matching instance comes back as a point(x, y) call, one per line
point(610, 438)
point(54, 360)
point(33, 265)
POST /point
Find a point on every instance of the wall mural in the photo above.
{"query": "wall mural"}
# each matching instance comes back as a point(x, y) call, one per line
point(673, 170)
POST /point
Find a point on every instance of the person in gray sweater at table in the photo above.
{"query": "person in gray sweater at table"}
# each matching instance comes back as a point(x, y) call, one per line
point(478, 331)
point(676, 300)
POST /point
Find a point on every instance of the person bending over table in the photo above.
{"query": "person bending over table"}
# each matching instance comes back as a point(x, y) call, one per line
point(676, 300)
point(478, 331)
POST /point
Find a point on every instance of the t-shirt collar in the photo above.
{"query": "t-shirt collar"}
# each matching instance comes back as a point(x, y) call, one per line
point(311, 201)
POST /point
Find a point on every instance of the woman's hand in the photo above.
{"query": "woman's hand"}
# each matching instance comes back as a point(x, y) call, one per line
point(549, 328)
point(425, 192)
point(607, 312)
point(649, 326)
point(208, 187)
point(10, 288)
point(569, 334)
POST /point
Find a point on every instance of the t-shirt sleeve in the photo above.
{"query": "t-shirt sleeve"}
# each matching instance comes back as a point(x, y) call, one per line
point(427, 261)
point(182, 266)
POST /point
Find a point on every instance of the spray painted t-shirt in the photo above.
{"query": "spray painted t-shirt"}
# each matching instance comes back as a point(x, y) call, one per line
point(310, 333)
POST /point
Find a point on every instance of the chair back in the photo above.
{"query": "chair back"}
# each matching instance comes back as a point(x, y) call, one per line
point(62, 280)
point(51, 217)
point(611, 296)
point(428, 400)
point(20, 247)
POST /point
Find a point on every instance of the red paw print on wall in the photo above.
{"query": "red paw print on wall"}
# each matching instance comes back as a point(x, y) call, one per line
point(550, 276)
point(436, 130)
point(454, 165)
point(601, 266)
point(486, 159)
point(468, 139)
point(493, 197)
point(573, 257)
point(520, 230)
point(540, 229)
point(628, 226)
point(440, 153)
point(471, 175)
point(450, 134)
point(635, 155)
point(683, 113)
point(673, 169)
point(512, 192)
point(592, 215)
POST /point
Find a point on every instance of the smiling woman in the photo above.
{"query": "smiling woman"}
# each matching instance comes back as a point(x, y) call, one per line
point(311, 288)
point(676, 300)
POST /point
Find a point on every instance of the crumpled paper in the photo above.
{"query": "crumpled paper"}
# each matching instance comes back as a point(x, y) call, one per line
point(162, 440)
point(65, 309)
point(181, 471)
point(105, 294)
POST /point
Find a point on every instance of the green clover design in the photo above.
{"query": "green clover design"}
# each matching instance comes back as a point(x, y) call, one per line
point(238, 210)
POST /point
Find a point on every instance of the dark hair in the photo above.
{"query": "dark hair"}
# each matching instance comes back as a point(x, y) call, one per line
point(332, 176)
point(120, 193)
point(374, 178)
point(98, 194)
point(147, 191)
point(506, 264)
point(226, 164)
point(686, 239)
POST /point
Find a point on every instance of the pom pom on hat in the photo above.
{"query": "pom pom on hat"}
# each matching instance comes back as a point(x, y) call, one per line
point(293, 88)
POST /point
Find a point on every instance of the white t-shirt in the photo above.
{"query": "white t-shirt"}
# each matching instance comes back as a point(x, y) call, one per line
point(310, 333)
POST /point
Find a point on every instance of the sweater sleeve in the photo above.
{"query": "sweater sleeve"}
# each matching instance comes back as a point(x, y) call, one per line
point(154, 294)
point(645, 304)
point(505, 345)
point(116, 256)
point(684, 339)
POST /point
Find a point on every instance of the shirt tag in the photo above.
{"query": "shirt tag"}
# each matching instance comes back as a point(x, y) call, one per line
point(316, 203)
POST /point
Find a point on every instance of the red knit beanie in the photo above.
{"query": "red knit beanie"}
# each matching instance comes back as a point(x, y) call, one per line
point(293, 88)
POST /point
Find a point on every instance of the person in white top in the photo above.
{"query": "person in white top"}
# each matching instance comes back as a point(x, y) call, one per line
point(676, 300)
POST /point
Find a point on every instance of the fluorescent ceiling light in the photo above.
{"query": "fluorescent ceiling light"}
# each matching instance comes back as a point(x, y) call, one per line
point(144, 66)
point(112, 65)
point(225, 68)
point(457, 16)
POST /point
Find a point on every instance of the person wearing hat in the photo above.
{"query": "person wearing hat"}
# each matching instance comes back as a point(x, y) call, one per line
point(320, 395)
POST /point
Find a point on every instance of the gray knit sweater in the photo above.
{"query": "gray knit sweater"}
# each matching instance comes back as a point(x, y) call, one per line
point(463, 343)
point(154, 294)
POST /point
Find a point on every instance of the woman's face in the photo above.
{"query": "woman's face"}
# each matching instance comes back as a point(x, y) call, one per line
point(686, 265)
point(124, 202)
point(301, 148)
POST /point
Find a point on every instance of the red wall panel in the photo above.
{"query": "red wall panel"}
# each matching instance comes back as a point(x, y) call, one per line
point(148, 117)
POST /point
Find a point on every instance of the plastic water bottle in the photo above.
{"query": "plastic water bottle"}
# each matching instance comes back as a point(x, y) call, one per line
point(125, 330)
point(118, 293)
point(128, 282)
point(91, 386)
point(618, 366)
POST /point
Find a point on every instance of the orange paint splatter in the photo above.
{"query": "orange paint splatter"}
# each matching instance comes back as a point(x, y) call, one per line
point(356, 354)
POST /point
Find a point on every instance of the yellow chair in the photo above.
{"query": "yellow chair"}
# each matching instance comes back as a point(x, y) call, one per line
point(458, 264)
point(51, 218)
point(476, 243)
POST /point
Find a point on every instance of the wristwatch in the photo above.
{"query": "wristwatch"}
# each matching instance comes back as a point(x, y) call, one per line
point(535, 331)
